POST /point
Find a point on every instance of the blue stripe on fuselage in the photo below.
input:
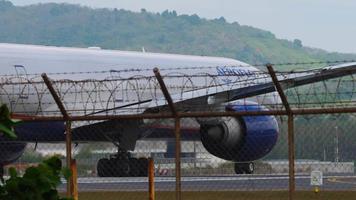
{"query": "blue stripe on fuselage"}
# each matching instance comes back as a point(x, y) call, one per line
point(52, 132)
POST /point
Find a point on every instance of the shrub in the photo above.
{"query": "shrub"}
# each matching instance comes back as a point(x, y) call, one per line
point(38, 183)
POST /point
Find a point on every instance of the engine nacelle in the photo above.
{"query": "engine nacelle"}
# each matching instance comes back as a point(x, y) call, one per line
point(240, 139)
point(10, 152)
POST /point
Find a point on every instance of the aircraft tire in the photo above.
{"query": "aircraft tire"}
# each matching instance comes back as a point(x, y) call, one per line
point(103, 168)
point(249, 168)
point(134, 167)
point(143, 166)
point(123, 167)
point(238, 168)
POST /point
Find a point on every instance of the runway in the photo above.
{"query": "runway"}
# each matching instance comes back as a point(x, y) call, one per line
point(216, 183)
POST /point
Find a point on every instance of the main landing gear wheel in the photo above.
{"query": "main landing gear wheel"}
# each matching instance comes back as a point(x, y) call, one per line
point(103, 166)
point(247, 168)
point(122, 165)
point(143, 163)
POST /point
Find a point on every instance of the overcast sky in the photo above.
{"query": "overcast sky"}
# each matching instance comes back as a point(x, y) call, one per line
point(326, 24)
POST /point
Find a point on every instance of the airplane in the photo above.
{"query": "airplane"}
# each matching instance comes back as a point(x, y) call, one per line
point(232, 86)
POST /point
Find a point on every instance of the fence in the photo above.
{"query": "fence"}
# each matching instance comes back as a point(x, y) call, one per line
point(189, 135)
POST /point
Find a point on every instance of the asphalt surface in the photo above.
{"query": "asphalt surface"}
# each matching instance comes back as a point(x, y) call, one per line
point(216, 183)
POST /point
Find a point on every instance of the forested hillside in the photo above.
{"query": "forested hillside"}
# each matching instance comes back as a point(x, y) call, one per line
point(72, 25)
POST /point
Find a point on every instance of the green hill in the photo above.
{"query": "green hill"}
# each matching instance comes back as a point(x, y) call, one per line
point(72, 25)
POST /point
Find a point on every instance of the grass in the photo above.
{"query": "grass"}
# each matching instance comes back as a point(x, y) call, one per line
point(221, 195)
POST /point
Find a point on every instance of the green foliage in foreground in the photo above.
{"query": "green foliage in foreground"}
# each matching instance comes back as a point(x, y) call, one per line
point(73, 25)
point(6, 123)
point(38, 183)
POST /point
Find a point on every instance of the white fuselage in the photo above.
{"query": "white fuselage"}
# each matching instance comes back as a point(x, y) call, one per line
point(43, 59)
point(21, 63)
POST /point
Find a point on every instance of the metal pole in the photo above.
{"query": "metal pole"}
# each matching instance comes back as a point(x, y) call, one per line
point(291, 156)
point(55, 96)
point(74, 186)
point(69, 157)
point(291, 150)
point(68, 130)
point(177, 156)
point(165, 91)
point(279, 89)
point(336, 144)
point(151, 179)
point(176, 130)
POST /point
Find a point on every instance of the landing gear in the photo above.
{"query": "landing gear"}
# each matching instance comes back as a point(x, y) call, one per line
point(247, 168)
point(122, 165)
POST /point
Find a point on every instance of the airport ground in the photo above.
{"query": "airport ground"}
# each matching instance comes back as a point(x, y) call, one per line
point(251, 183)
point(249, 187)
point(221, 195)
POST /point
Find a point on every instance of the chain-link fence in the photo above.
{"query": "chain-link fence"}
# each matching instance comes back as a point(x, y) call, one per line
point(228, 136)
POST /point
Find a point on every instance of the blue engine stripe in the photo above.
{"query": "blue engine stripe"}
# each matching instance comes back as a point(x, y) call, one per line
point(261, 133)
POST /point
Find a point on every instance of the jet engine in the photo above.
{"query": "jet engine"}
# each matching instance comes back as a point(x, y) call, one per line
point(242, 139)
point(10, 152)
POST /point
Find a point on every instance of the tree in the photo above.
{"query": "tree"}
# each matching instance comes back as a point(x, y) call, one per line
point(297, 43)
point(5, 5)
point(38, 183)
point(72, 25)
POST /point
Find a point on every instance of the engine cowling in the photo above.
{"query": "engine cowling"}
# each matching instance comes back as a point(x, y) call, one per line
point(240, 139)
point(10, 152)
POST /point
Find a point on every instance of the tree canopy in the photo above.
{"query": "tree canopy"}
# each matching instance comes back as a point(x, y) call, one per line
point(74, 25)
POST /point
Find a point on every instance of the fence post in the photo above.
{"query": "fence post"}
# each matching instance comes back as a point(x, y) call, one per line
point(74, 177)
point(291, 145)
point(71, 183)
point(178, 155)
point(151, 179)
point(176, 132)
point(291, 156)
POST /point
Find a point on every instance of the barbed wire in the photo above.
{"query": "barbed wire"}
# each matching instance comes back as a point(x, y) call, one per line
point(182, 68)
point(310, 63)
point(138, 93)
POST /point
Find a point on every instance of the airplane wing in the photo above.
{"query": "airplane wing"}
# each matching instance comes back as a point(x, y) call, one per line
point(231, 92)
point(226, 93)
point(223, 93)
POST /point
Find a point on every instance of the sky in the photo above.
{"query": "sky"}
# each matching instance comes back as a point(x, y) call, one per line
point(325, 24)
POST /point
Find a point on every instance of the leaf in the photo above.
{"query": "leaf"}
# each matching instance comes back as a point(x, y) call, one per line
point(54, 162)
point(11, 122)
point(38, 182)
point(66, 173)
point(13, 173)
point(7, 131)
point(4, 112)
point(6, 123)
point(32, 173)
